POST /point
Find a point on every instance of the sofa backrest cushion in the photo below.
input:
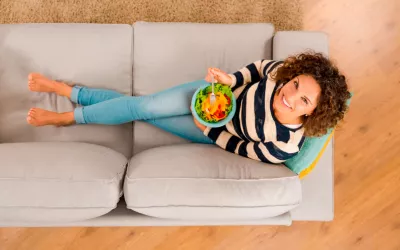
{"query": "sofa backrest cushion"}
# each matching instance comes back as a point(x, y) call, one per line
point(87, 54)
point(168, 54)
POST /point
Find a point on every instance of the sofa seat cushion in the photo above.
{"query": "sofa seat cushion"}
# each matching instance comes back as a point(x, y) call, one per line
point(58, 181)
point(202, 182)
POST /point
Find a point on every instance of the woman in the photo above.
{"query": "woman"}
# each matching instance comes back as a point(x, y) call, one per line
point(278, 103)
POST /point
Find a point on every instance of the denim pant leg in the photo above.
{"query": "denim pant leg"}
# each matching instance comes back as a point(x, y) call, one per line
point(182, 126)
point(89, 96)
point(168, 110)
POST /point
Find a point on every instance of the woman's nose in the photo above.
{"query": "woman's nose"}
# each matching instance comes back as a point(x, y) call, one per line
point(291, 99)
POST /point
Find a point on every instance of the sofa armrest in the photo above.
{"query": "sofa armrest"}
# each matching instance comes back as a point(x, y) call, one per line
point(317, 187)
point(203, 182)
point(288, 43)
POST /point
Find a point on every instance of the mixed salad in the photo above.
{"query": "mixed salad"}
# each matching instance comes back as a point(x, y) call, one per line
point(220, 109)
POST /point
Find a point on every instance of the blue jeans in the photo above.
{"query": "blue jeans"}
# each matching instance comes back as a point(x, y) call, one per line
point(168, 110)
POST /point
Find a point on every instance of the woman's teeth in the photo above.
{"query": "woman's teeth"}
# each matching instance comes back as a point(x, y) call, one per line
point(286, 103)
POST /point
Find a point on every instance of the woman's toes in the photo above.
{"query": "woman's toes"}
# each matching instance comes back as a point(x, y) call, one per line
point(33, 75)
point(34, 117)
point(29, 119)
point(39, 83)
point(31, 84)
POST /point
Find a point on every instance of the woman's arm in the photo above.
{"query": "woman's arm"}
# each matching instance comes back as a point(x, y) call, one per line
point(269, 152)
point(252, 73)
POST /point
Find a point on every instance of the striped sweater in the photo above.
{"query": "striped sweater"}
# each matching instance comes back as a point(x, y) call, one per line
point(254, 131)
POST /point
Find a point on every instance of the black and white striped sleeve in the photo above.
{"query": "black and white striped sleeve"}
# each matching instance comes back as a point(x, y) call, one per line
point(252, 73)
point(269, 152)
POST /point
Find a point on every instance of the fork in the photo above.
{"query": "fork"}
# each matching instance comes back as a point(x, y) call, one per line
point(212, 96)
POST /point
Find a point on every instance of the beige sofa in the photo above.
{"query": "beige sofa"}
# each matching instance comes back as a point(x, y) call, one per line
point(95, 175)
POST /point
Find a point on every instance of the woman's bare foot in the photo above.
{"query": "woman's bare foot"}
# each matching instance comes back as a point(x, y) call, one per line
point(39, 83)
point(40, 117)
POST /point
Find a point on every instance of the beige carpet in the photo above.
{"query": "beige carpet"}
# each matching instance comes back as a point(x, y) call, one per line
point(284, 14)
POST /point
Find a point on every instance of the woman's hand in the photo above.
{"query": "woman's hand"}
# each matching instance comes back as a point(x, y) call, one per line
point(219, 76)
point(198, 124)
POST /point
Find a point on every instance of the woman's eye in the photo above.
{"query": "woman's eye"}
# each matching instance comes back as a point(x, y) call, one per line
point(305, 100)
point(296, 84)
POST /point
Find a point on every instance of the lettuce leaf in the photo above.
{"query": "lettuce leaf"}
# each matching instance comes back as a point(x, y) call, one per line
point(203, 94)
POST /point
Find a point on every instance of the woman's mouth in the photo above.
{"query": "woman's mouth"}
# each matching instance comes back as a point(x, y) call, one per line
point(285, 102)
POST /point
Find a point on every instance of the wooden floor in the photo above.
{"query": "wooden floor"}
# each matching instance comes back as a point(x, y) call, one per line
point(365, 42)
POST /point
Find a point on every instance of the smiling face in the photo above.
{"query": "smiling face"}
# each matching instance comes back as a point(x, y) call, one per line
point(297, 98)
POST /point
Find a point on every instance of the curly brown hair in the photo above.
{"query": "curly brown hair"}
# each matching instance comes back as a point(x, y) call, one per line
point(331, 105)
